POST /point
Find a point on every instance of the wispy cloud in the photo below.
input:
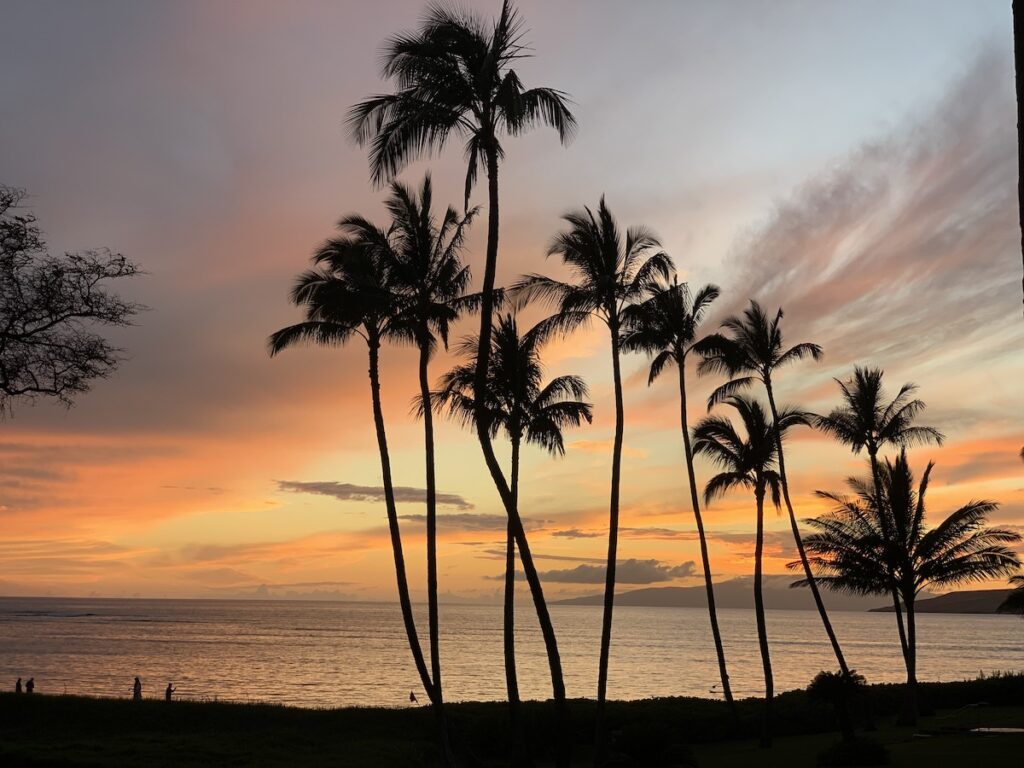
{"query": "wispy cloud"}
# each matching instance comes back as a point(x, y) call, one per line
point(350, 492)
point(778, 544)
point(471, 521)
point(653, 532)
point(905, 249)
point(628, 572)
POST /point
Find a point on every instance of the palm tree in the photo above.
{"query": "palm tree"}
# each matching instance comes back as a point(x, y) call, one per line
point(455, 75)
point(609, 274)
point(349, 294)
point(1014, 602)
point(665, 326)
point(865, 421)
point(749, 463)
point(425, 264)
point(874, 542)
point(751, 353)
point(525, 411)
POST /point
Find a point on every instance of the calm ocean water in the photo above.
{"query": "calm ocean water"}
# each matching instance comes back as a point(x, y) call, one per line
point(342, 654)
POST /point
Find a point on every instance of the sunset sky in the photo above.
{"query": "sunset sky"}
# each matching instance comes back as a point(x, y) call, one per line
point(853, 163)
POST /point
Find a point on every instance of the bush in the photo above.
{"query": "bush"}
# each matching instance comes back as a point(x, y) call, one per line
point(854, 753)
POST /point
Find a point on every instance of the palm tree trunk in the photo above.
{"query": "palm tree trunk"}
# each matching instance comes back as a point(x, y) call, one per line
point(808, 575)
point(432, 611)
point(519, 756)
point(564, 756)
point(908, 716)
point(877, 479)
point(762, 630)
point(898, 610)
point(705, 560)
point(428, 440)
point(396, 536)
point(613, 546)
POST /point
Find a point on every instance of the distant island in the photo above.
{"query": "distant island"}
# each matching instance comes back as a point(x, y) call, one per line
point(778, 595)
point(974, 601)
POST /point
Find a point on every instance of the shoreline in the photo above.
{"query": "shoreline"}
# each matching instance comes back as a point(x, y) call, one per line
point(924, 607)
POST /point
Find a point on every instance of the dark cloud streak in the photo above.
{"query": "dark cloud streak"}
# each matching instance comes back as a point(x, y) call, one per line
point(349, 492)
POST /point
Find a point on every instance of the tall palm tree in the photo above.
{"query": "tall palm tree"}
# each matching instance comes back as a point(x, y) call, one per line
point(1014, 602)
point(865, 421)
point(348, 294)
point(519, 405)
point(749, 463)
point(425, 262)
point(610, 273)
point(872, 542)
point(751, 352)
point(665, 326)
point(455, 75)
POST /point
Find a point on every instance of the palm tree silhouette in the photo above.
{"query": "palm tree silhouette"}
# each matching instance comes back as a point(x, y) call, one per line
point(426, 271)
point(610, 274)
point(872, 542)
point(455, 75)
point(752, 353)
point(749, 463)
point(665, 326)
point(525, 411)
point(349, 294)
point(865, 421)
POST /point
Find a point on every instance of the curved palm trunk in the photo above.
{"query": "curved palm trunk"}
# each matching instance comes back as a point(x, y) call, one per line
point(705, 560)
point(520, 755)
point(396, 536)
point(808, 575)
point(432, 611)
point(564, 756)
point(613, 546)
point(762, 629)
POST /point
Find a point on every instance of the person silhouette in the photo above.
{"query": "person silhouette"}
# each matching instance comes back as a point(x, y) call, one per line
point(17, 686)
point(170, 690)
point(137, 690)
point(30, 685)
point(412, 697)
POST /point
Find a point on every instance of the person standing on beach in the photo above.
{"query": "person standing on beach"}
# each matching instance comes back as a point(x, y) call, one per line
point(167, 694)
point(17, 686)
point(137, 690)
point(30, 685)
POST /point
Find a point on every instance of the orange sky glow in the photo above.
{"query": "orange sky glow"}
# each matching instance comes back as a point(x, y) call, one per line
point(874, 200)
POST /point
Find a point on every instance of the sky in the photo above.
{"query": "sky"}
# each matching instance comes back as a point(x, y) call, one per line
point(854, 163)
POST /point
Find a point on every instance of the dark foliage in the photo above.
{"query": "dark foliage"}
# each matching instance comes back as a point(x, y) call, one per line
point(125, 733)
point(1014, 603)
point(50, 307)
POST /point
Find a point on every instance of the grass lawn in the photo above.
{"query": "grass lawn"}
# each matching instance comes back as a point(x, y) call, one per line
point(73, 731)
point(954, 749)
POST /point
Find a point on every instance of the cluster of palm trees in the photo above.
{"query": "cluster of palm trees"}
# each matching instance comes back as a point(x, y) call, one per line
point(407, 283)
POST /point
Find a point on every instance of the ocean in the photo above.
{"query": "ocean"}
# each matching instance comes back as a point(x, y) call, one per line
point(333, 654)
